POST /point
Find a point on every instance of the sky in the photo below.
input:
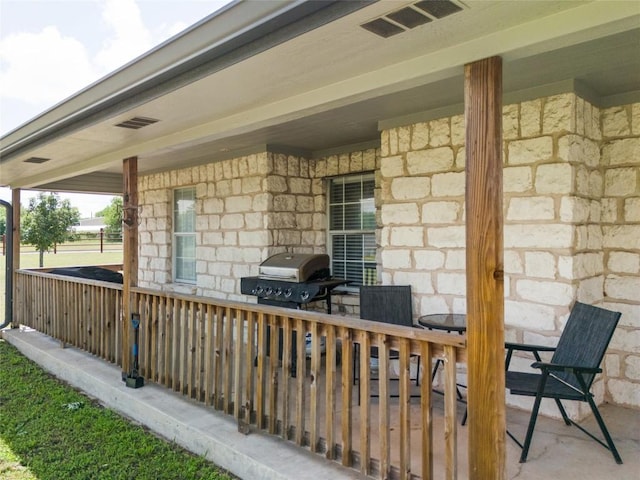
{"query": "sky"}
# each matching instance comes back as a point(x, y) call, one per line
point(51, 49)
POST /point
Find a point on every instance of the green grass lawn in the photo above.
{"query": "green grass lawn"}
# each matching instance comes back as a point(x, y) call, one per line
point(49, 431)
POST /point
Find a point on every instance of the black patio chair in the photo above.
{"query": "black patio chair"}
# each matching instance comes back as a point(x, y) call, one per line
point(571, 371)
point(387, 304)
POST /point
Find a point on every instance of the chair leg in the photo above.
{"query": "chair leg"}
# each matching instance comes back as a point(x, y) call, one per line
point(605, 432)
point(563, 412)
point(532, 421)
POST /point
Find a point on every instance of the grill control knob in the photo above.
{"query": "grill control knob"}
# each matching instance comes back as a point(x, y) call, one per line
point(268, 290)
point(304, 295)
point(259, 290)
point(278, 292)
point(288, 292)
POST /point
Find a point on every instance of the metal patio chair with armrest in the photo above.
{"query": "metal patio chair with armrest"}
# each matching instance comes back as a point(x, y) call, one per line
point(388, 304)
point(570, 373)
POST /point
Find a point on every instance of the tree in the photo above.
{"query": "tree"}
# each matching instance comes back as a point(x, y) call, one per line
point(47, 221)
point(3, 221)
point(112, 215)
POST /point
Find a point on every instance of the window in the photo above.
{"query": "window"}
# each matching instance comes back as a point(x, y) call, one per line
point(184, 235)
point(352, 225)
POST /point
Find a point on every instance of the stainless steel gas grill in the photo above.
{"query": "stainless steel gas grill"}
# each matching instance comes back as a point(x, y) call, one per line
point(292, 280)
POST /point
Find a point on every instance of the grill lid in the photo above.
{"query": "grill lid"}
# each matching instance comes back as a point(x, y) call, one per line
point(295, 267)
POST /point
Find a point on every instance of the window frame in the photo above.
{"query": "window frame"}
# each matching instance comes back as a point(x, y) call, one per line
point(332, 233)
point(187, 234)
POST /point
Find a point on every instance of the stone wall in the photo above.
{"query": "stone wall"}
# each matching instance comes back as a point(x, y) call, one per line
point(247, 209)
point(571, 210)
point(563, 234)
point(621, 247)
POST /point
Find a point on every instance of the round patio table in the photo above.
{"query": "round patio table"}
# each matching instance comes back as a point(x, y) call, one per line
point(450, 322)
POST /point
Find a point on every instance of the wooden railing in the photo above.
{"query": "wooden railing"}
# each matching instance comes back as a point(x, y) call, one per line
point(84, 313)
point(251, 361)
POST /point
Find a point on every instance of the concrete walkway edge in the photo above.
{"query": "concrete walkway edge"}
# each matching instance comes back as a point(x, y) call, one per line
point(195, 427)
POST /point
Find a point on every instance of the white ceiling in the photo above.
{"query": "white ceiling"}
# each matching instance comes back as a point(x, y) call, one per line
point(332, 87)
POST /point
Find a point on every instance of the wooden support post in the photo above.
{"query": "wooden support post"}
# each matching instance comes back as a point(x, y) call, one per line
point(129, 253)
point(485, 282)
point(15, 202)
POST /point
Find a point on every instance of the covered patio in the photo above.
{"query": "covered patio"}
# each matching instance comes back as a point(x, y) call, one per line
point(558, 451)
point(486, 153)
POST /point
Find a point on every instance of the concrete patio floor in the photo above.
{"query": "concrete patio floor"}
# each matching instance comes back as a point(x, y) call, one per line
point(557, 451)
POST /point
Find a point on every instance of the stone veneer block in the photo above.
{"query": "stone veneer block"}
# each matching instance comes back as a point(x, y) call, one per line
point(433, 303)
point(448, 184)
point(458, 132)
point(420, 136)
point(446, 237)
point(621, 152)
point(530, 316)
point(369, 159)
point(430, 161)
point(609, 207)
point(632, 209)
point(622, 287)
point(461, 158)
point(588, 264)
point(577, 149)
point(410, 188)
point(622, 237)
point(452, 284)
point(428, 259)
point(440, 212)
point(392, 166)
point(513, 262)
point(456, 260)
point(540, 264)
point(620, 182)
point(554, 178)
point(626, 340)
point(590, 290)
point(632, 367)
point(439, 132)
point(624, 262)
point(530, 118)
point(558, 113)
point(510, 122)
point(522, 152)
point(400, 213)
point(420, 283)
point(612, 365)
point(547, 293)
point(407, 237)
point(516, 179)
point(575, 209)
point(538, 236)
point(635, 118)
point(396, 259)
point(616, 121)
point(531, 208)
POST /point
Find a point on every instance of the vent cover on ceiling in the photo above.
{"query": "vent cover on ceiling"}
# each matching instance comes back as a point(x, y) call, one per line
point(137, 122)
point(36, 160)
point(410, 17)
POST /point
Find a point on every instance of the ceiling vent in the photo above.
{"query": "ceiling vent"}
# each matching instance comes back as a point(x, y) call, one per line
point(383, 27)
point(36, 160)
point(410, 17)
point(438, 8)
point(136, 123)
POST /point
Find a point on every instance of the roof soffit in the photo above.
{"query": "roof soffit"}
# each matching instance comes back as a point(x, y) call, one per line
point(279, 100)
